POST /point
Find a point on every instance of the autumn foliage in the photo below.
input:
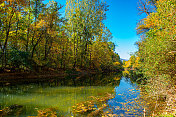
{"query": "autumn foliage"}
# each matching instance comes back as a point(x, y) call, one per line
point(34, 35)
point(157, 45)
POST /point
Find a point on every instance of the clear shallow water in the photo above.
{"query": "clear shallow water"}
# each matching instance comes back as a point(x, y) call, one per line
point(126, 99)
point(62, 94)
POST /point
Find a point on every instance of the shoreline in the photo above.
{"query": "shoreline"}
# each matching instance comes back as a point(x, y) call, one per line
point(15, 77)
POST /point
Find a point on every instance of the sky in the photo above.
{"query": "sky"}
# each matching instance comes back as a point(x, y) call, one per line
point(122, 19)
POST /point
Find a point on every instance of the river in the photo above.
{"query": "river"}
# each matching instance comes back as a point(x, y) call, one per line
point(66, 94)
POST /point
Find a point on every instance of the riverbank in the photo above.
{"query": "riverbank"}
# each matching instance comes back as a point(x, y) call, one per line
point(7, 78)
point(160, 90)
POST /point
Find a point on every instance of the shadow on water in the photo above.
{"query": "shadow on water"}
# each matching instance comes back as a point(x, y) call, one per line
point(58, 93)
point(85, 96)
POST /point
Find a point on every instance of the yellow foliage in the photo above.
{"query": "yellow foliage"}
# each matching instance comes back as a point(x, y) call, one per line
point(117, 78)
point(116, 63)
point(136, 64)
point(41, 24)
point(2, 4)
point(126, 72)
point(127, 64)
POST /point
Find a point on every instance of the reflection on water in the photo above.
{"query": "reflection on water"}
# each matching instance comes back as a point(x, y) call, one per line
point(60, 94)
point(125, 102)
point(63, 94)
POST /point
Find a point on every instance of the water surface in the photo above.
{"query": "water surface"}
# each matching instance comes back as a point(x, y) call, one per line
point(62, 94)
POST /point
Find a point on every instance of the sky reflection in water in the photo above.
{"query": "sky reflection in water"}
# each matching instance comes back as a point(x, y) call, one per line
point(34, 96)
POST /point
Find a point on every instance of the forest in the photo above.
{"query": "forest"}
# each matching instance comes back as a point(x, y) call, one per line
point(36, 37)
point(155, 61)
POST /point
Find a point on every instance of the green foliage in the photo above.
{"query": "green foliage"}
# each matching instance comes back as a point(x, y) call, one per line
point(157, 54)
point(158, 42)
point(41, 37)
point(18, 58)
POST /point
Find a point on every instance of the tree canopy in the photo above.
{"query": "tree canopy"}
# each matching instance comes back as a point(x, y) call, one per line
point(35, 36)
point(157, 44)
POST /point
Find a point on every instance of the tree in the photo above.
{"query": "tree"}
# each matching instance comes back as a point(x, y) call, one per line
point(158, 41)
point(86, 25)
point(10, 19)
point(40, 38)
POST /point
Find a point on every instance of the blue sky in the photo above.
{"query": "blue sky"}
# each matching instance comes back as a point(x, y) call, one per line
point(122, 18)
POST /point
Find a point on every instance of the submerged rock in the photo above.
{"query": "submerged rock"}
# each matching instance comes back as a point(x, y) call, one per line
point(13, 109)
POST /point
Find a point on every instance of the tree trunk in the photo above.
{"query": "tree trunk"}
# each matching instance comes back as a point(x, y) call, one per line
point(34, 47)
point(5, 43)
point(28, 30)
